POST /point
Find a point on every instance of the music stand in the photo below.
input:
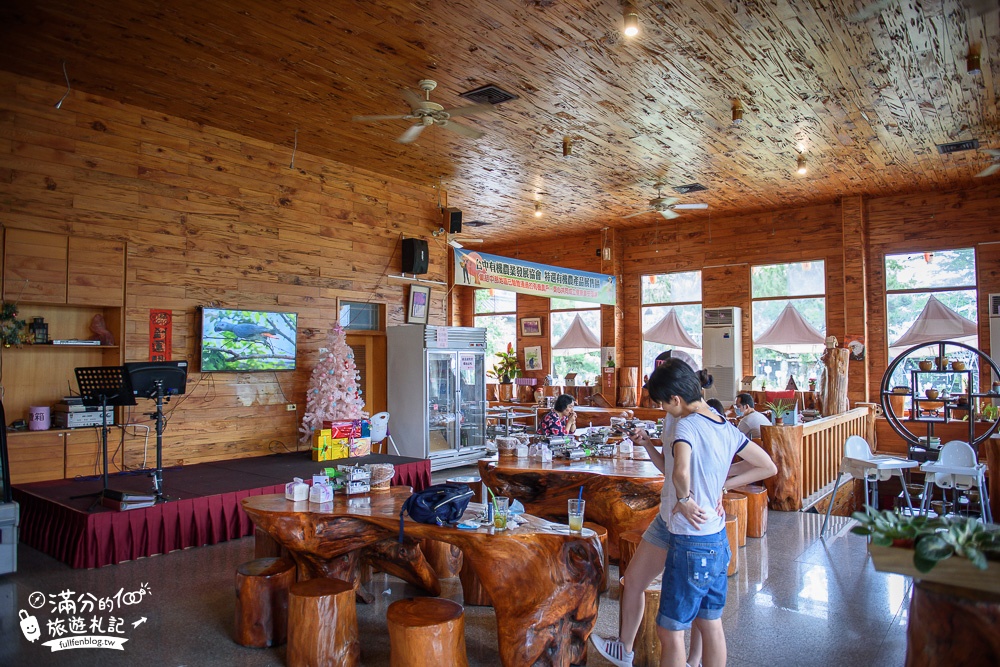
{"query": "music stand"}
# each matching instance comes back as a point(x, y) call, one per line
point(156, 379)
point(104, 386)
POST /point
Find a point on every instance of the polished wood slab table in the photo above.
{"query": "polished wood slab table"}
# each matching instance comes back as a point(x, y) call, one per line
point(621, 494)
point(542, 579)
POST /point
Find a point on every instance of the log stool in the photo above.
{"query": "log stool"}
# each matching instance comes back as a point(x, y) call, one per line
point(473, 593)
point(732, 534)
point(445, 559)
point(262, 601)
point(426, 632)
point(322, 624)
point(602, 534)
point(627, 544)
point(756, 509)
point(264, 546)
point(647, 645)
point(736, 504)
point(474, 482)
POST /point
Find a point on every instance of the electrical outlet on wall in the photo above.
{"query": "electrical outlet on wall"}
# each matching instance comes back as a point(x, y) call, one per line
point(290, 407)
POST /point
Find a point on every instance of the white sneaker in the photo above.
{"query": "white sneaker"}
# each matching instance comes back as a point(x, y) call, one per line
point(612, 650)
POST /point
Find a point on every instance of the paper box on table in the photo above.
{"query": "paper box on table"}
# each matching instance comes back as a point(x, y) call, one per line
point(321, 493)
point(297, 490)
point(321, 478)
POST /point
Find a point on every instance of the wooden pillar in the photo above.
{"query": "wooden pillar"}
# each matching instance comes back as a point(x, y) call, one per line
point(854, 242)
point(784, 445)
point(322, 624)
point(264, 546)
point(628, 382)
point(952, 626)
point(426, 632)
point(756, 509)
point(733, 535)
point(262, 601)
point(628, 542)
point(646, 647)
point(445, 559)
point(835, 367)
point(736, 504)
point(473, 593)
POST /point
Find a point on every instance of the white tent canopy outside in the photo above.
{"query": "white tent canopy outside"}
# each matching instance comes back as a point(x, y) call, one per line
point(670, 331)
point(791, 334)
point(936, 322)
point(578, 337)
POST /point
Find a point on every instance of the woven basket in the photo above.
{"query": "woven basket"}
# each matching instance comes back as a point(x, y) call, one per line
point(382, 474)
point(507, 447)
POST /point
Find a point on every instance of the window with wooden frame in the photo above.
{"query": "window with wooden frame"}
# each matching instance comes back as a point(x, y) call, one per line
point(669, 301)
point(496, 311)
point(584, 361)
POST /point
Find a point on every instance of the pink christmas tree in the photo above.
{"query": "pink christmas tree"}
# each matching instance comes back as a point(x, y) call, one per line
point(333, 388)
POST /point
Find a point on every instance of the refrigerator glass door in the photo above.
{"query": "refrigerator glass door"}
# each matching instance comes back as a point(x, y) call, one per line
point(472, 389)
point(442, 409)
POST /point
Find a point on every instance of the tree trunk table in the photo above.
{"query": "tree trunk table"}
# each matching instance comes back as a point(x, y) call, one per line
point(621, 494)
point(541, 578)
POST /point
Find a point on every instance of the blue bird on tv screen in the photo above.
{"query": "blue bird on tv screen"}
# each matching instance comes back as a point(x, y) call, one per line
point(247, 340)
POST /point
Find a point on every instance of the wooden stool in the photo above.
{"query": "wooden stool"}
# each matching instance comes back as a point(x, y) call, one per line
point(262, 601)
point(756, 509)
point(602, 534)
point(647, 644)
point(627, 544)
point(736, 504)
point(473, 593)
point(426, 632)
point(445, 559)
point(474, 482)
point(733, 535)
point(322, 624)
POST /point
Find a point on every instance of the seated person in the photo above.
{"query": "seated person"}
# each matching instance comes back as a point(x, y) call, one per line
point(556, 421)
point(750, 419)
point(716, 405)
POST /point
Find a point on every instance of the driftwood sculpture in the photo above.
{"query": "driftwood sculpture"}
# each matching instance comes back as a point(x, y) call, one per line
point(542, 580)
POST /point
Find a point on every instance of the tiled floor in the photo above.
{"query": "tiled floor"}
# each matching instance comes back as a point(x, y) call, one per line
point(796, 600)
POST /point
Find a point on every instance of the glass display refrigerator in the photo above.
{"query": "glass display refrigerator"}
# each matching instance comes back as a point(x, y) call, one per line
point(437, 392)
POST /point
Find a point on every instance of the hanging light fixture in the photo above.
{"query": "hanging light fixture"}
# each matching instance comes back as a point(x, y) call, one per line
point(802, 168)
point(737, 113)
point(972, 65)
point(631, 21)
point(538, 210)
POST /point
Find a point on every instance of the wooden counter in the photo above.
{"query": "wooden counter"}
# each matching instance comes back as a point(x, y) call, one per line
point(542, 579)
point(621, 494)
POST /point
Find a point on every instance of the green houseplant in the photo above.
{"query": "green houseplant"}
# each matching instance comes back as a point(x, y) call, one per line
point(506, 369)
point(779, 409)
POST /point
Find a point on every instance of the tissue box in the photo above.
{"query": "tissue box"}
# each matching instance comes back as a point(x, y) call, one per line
point(297, 490)
point(321, 493)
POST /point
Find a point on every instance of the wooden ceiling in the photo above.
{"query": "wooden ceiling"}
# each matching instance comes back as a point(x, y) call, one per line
point(864, 89)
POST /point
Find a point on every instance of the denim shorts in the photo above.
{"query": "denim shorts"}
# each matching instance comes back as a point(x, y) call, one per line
point(694, 580)
point(657, 533)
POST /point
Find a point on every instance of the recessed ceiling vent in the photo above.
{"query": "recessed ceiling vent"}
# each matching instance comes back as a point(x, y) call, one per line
point(488, 95)
point(958, 146)
point(689, 188)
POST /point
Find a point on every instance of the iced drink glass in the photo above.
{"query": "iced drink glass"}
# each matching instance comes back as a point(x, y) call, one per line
point(575, 512)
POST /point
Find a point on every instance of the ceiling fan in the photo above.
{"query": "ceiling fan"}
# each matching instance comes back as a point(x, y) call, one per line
point(427, 113)
point(453, 239)
point(665, 206)
point(993, 168)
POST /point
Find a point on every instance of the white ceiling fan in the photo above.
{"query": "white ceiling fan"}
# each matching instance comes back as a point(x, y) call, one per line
point(993, 168)
point(427, 113)
point(453, 239)
point(666, 206)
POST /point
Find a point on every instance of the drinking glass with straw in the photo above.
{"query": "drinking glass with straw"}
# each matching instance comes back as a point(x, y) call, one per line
point(575, 510)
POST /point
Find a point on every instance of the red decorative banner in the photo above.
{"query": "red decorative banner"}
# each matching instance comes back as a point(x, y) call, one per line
point(160, 334)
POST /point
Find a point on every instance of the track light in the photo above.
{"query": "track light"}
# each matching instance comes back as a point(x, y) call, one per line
point(737, 113)
point(802, 168)
point(538, 210)
point(972, 64)
point(631, 21)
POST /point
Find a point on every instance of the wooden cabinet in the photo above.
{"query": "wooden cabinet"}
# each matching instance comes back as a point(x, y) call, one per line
point(66, 280)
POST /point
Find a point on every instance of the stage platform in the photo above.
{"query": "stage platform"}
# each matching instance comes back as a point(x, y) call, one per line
point(205, 507)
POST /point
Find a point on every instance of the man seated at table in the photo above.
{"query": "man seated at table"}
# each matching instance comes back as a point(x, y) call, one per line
point(750, 419)
point(560, 420)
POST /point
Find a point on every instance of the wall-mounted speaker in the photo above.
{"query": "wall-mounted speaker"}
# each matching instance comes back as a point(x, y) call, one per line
point(415, 256)
point(453, 220)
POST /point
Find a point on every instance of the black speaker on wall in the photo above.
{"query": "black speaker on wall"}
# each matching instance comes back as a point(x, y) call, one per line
point(453, 220)
point(414, 256)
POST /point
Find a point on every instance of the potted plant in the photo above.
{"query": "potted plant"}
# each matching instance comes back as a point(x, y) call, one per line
point(506, 369)
point(922, 547)
point(779, 409)
point(990, 413)
point(812, 384)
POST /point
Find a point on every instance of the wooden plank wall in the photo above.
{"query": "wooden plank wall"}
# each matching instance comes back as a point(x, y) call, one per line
point(211, 217)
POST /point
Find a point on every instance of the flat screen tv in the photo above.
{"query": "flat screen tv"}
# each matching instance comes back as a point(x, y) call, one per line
point(247, 340)
point(172, 377)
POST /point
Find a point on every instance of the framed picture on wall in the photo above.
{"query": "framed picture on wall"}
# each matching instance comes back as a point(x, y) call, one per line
point(419, 305)
point(531, 326)
point(533, 358)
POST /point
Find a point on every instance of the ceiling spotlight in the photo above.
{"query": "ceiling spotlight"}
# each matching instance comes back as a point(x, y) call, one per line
point(802, 169)
point(631, 21)
point(538, 210)
point(972, 64)
point(737, 113)
point(567, 146)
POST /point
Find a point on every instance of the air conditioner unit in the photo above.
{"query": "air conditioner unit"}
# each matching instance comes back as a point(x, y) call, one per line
point(722, 350)
point(995, 329)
